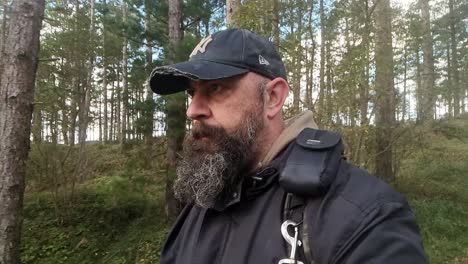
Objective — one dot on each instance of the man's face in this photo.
(227, 119)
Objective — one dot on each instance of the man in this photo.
(263, 190)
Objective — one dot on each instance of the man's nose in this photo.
(198, 108)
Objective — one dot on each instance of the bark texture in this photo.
(428, 77)
(176, 109)
(232, 7)
(384, 85)
(454, 69)
(16, 106)
(123, 133)
(321, 99)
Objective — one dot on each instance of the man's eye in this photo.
(215, 88)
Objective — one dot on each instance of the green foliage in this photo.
(108, 223)
(107, 219)
(435, 179)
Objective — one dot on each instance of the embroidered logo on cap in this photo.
(262, 60)
(201, 47)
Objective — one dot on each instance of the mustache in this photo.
(200, 130)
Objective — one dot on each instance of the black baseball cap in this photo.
(223, 54)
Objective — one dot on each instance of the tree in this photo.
(384, 86)
(124, 129)
(232, 7)
(321, 98)
(175, 109)
(16, 105)
(428, 76)
(104, 75)
(454, 71)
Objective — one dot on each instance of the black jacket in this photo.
(360, 219)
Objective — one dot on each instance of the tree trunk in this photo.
(276, 24)
(63, 107)
(75, 83)
(329, 85)
(455, 75)
(84, 107)
(112, 126)
(405, 77)
(428, 77)
(321, 99)
(104, 81)
(384, 85)
(364, 89)
(16, 107)
(232, 7)
(37, 124)
(3, 33)
(124, 128)
(449, 80)
(149, 105)
(175, 111)
(118, 114)
(419, 91)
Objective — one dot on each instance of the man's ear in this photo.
(276, 92)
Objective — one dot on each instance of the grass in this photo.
(115, 216)
(105, 222)
(435, 180)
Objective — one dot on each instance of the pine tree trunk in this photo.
(84, 106)
(104, 82)
(63, 107)
(175, 112)
(428, 77)
(449, 80)
(276, 24)
(455, 74)
(385, 93)
(405, 80)
(36, 129)
(118, 106)
(364, 89)
(232, 7)
(16, 107)
(149, 106)
(419, 90)
(329, 85)
(321, 99)
(112, 126)
(3, 29)
(124, 128)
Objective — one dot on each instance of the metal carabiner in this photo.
(293, 241)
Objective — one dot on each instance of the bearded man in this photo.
(261, 189)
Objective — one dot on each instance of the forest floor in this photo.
(117, 216)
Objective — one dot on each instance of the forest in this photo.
(88, 152)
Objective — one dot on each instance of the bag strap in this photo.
(294, 207)
(310, 169)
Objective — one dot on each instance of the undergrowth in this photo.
(435, 180)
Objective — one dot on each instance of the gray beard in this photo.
(211, 171)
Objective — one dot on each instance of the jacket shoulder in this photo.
(364, 190)
(359, 204)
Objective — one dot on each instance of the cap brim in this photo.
(175, 78)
